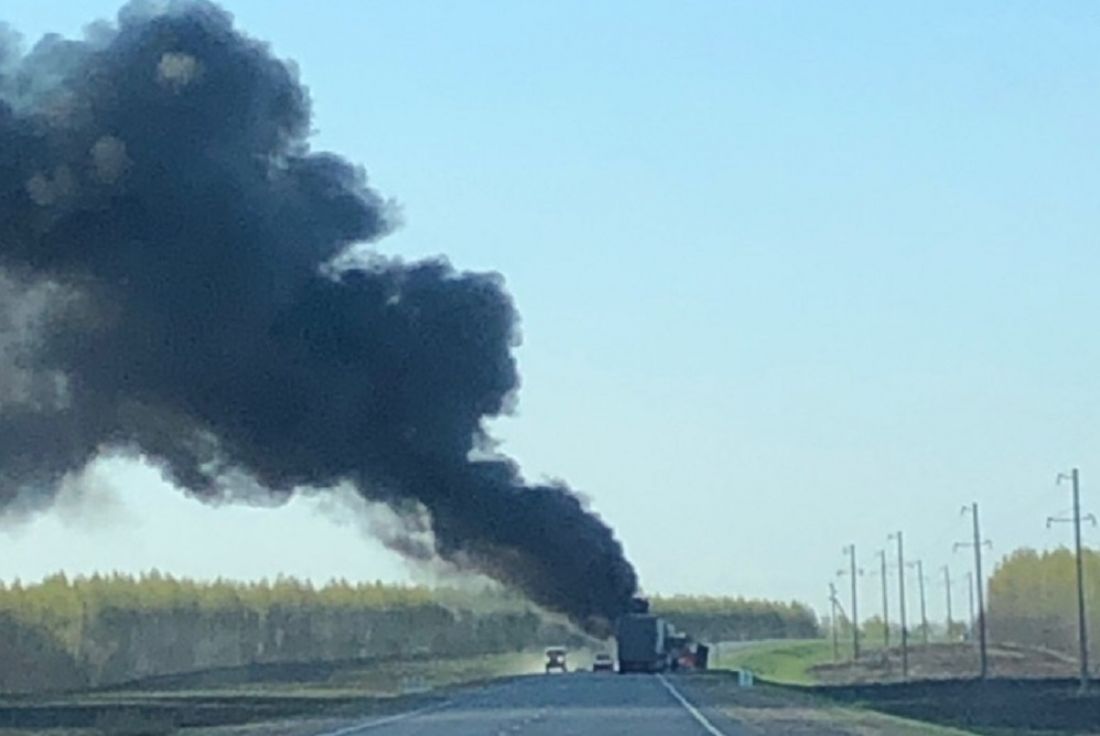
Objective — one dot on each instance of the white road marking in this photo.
(347, 731)
(699, 717)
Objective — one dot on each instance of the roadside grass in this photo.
(825, 718)
(868, 721)
(380, 679)
(785, 662)
(299, 701)
(402, 678)
(55, 732)
(768, 709)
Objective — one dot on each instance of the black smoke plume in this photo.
(176, 282)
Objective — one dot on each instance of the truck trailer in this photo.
(641, 641)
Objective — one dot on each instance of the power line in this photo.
(901, 604)
(919, 565)
(970, 598)
(977, 544)
(850, 550)
(885, 600)
(1082, 622)
(947, 590)
(832, 620)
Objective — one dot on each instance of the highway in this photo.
(561, 705)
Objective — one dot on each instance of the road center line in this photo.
(699, 717)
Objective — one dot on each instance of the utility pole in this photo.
(850, 550)
(947, 588)
(885, 603)
(919, 565)
(901, 605)
(970, 596)
(979, 584)
(832, 620)
(1082, 621)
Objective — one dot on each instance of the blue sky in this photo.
(792, 275)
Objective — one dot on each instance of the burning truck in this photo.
(649, 643)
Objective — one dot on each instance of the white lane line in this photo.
(702, 719)
(366, 725)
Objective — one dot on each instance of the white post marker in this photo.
(699, 717)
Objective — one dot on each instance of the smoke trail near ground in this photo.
(168, 244)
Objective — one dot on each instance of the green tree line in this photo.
(1033, 599)
(68, 633)
(717, 619)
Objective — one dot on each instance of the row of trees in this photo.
(873, 634)
(64, 633)
(1033, 599)
(63, 607)
(71, 633)
(738, 619)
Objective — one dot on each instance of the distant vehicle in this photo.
(555, 660)
(603, 663)
(649, 643)
(641, 641)
(678, 646)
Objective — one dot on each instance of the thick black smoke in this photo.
(169, 248)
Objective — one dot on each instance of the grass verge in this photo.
(284, 700)
(778, 661)
(770, 710)
(868, 721)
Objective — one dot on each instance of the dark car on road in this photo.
(555, 660)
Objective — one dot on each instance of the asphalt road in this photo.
(561, 705)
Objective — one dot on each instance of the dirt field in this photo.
(998, 706)
(947, 661)
(1030, 692)
(782, 711)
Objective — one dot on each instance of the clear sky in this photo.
(792, 275)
